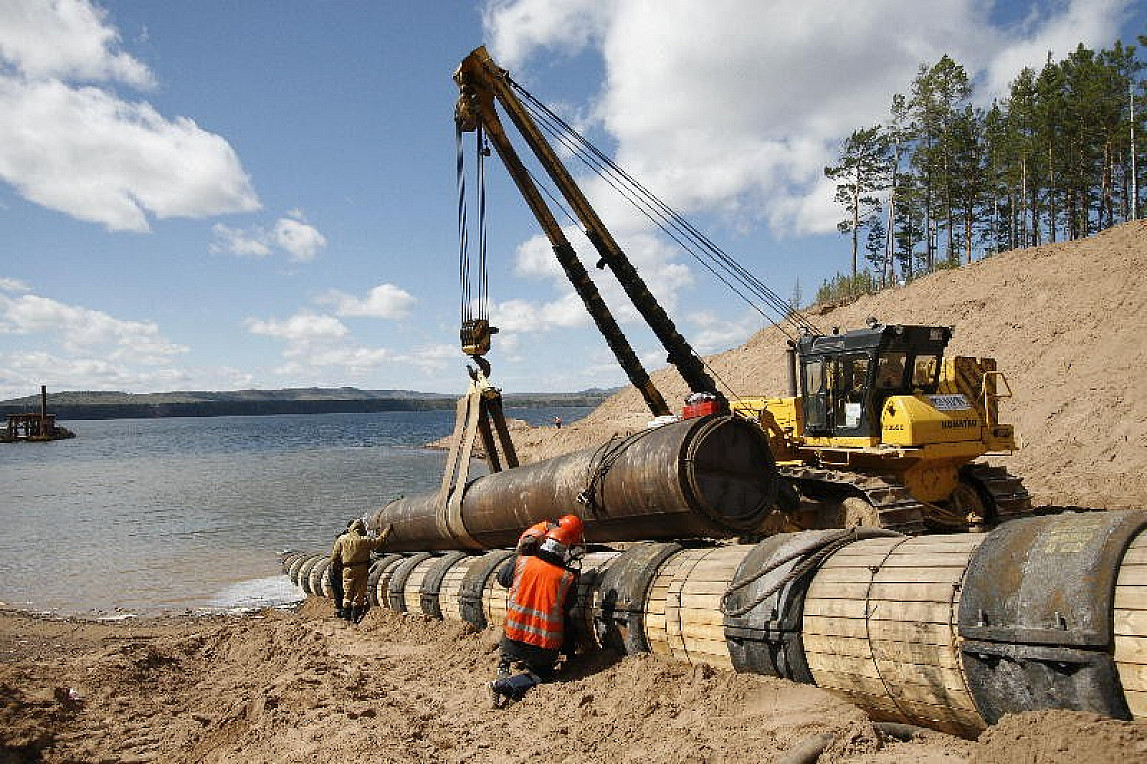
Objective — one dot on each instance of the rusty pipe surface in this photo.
(712, 476)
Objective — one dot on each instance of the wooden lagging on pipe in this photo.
(1131, 626)
(880, 628)
(924, 630)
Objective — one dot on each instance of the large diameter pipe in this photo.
(712, 476)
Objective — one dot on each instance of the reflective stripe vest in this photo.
(537, 599)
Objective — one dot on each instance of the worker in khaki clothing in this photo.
(351, 552)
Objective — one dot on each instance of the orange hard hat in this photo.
(569, 531)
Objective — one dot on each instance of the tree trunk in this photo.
(1051, 214)
(1023, 232)
(855, 220)
(1107, 201)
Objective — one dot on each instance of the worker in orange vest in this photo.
(542, 591)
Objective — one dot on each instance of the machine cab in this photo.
(845, 378)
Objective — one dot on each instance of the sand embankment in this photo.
(302, 687)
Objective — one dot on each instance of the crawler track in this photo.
(898, 510)
(1004, 490)
(895, 506)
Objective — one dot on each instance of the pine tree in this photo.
(1050, 113)
(969, 184)
(939, 94)
(1024, 158)
(862, 173)
(875, 247)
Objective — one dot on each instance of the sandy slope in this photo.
(1067, 323)
(304, 687)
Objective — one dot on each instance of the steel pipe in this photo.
(713, 476)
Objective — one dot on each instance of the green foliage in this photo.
(1051, 159)
(845, 288)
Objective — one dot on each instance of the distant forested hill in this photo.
(116, 405)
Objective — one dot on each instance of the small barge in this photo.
(38, 426)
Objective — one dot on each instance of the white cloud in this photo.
(1093, 22)
(518, 27)
(432, 358)
(85, 151)
(713, 334)
(84, 330)
(73, 347)
(21, 373)
(13, 285)
(319, 348)
(250, 243)
(66, 39)
(735, 107)
(302, 241)
(302, 327)
(383, 301)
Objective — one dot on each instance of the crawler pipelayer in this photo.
(883, 430)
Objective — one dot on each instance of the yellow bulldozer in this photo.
(880, 428)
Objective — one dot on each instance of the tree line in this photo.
(943, 180)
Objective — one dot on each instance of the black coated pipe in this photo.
(713, 476)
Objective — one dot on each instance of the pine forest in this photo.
(943, 181)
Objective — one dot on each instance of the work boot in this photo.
(497, 699)
(340, 612)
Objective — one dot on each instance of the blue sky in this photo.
(222, 195)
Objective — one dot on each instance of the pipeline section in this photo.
(707, 477)
(947, 632)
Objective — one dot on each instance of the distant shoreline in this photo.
(81, 411)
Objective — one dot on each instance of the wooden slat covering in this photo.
(880, 628)
(410, 594)
(1130, 618)
(683, 609)
(382, 587)
(448, 601)
(592, 565)
(494, 600)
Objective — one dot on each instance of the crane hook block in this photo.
(475, 335)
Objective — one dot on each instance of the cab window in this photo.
(854, 377)
(849, 388)
(816, 394)
(890, 371)
(925, 371)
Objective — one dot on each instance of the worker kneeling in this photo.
(535, 632)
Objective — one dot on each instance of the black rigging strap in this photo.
(474, 288)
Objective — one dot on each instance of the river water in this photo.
(147, 515)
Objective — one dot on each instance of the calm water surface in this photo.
(139, 515)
